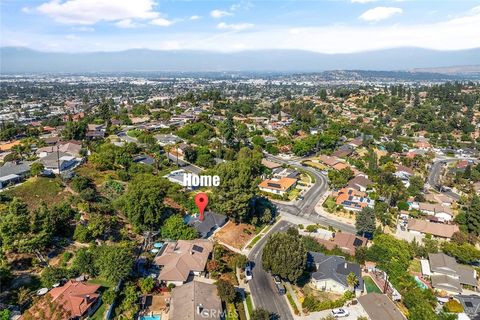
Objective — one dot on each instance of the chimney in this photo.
(199, 308)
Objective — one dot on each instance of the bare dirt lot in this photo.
(235, 235)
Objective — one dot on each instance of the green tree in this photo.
(226, 291)
(114, 263)
(83, 262)
(365, 221)
(352, 280)
(146, 285)
(109, 296)
(37, 168)
(142, 203)
(284, 255)
(260, 314)
(472, 213)
(175, 228)
(237, 188)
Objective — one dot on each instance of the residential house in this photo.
(352, 199)
(13, 172)
(79, 299)
(196, 301)
(95, 131)
(357, 142)
(178, 177)
(329, 161)
(404, 173)
(70, 147)
(285, 173)
(270, 164)
(144, 159)
(167, 139)
(471, 305)
(331, 273)
(360, 183)
(380, 307)
(58, 162)
(441, 213)
(211, 222)
(278, 186)
(447, 275)
(345, 241)
(182, 259)
(438, 230)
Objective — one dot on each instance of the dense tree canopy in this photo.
(284, 255)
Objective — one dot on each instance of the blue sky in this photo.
(317, 25)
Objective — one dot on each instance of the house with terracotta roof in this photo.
(277, 186)
(8, 146)
(352, 199)
(79, 299)
(180, 260)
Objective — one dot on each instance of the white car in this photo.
(340, 313)
(248, 274)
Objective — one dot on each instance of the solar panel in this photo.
(357, 242)
(197, 248)
(274, 185)
(468, 304)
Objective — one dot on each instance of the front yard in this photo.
(235, 235)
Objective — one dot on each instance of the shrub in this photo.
(453, 306)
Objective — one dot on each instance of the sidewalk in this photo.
(294, 297)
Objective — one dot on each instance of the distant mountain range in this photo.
(23, 60)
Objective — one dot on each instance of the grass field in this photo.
(248, 298)
(38, 189)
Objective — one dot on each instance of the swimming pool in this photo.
(420, 283)
(150, 318)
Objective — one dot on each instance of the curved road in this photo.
(435, 173)
(262, 288)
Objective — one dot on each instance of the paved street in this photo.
(262, 288)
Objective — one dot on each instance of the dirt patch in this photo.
(235, 235)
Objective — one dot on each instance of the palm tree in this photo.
(352, 280)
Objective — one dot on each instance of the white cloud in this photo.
(88, 12)
(462, 32)
(234, 26)
(380, 13)
(126, 24)
(195, 17)
(162, 22)
(219, 13)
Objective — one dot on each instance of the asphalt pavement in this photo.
(262, 288)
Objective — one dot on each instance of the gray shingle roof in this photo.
(335, 268)
(211, 221)
(10, 168)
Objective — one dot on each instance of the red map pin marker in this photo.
(201, 200)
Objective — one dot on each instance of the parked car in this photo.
(248, 274)
(278, 284)
(340, 313)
